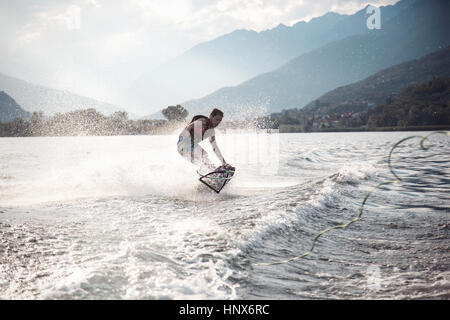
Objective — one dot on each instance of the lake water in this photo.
(126, 218)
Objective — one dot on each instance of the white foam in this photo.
(82, 167)
(279, 217)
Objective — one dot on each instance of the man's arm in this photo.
(216, 149)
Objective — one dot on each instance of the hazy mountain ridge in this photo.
(9, 109)
(33, 97)
(417, 30)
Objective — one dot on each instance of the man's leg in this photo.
(200, 158)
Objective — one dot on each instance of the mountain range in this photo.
(9, 109)
(255, 73)
(240, 55)
(33, 97)
(419, 28)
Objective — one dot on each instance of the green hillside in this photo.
(383, 86)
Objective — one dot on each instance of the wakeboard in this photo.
(217, 179)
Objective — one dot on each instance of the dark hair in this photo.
(216, 112)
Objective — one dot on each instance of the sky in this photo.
(97, 48)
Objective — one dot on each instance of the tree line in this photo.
(81, 122)
(420, 105)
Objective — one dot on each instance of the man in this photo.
(197, 130)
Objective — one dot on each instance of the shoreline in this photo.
(298, 129)
(282, 129)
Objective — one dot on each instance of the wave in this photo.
(292, 205)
